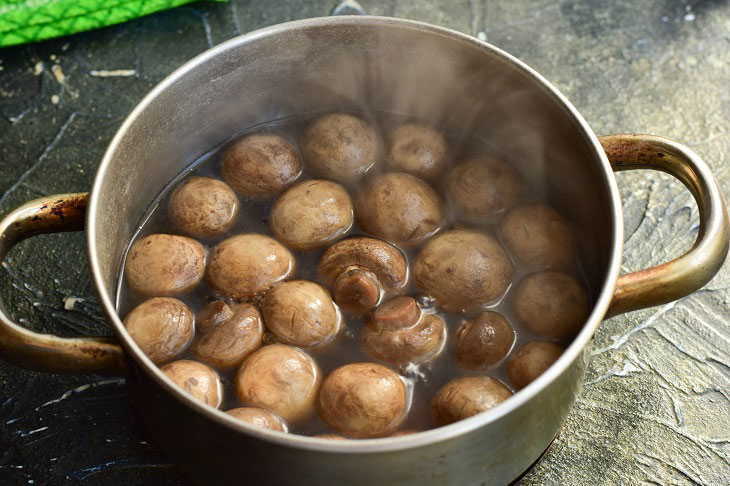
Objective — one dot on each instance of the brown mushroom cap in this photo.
(483, 341)
(363, 400)
(551, 304)
(162, 327)
(463, 270)
(301, 313)
(164, 265)
(340, 147)
(417, 344)
(311, 214)
(261, 165)
(539, 237)
(417, 149)
(530, 361)
(467, 396)
(227, 344)
(384, 260)
(199, 380)
(258, 417)
(248, 264)
(203, 207)
(481, 188)
(213, 314)
(279, 378)
(400, 208)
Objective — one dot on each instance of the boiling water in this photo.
(423, 380)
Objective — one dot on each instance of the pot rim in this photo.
(388, 444)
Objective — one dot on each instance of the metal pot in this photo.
(380, 64)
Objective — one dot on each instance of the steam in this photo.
(484, 107)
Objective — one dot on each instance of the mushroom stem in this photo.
(399, 313)
(357, 291)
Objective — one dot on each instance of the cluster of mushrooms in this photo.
(385, 189)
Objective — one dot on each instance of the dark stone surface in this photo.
(655, 408)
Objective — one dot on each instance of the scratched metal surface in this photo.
(656, 405)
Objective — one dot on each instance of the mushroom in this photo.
(301, 313)
(483, 341)
(462, 270)
(227, 344)
(258, 417)
(481, 188)
(467, 396)
(203, 207)
(248, 264)
(164, 265)
(417, 149)
(399, 208)
(311, 214)
(340, 147)
(551, 304)
(399, 333)
(363, 400)
(162, 327)
(197, 379)
(279, 378)
(213, 314)
(538, 237)
(530, 361)
(360, 269)
(261, 165)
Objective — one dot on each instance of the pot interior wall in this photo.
(349, 65)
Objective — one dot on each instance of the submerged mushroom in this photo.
(467, 396)
(481, 188)
(463, 270)
(551, 304)
(530, 361)
(360, 269)
(213, 314)
(363, 400)
(483, 341)
(203, 207)
(261, 165)
(227, 344)
(248, 264)
(539, 237)
(162, 327)
(311, 214)
(399, 208)
(279, 378)
(301, 313)
(418, 150)
(340, 147)
(399, 333)
(197, 379)
(164, 265)
(258, 417)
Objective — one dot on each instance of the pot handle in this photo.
(680, 277)
(45, 352)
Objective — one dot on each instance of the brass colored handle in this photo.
(680, 277)
(45, 352)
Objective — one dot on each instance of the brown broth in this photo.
(424, 380)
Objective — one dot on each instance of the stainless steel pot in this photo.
(379, 64)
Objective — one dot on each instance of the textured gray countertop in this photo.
(655, 407)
